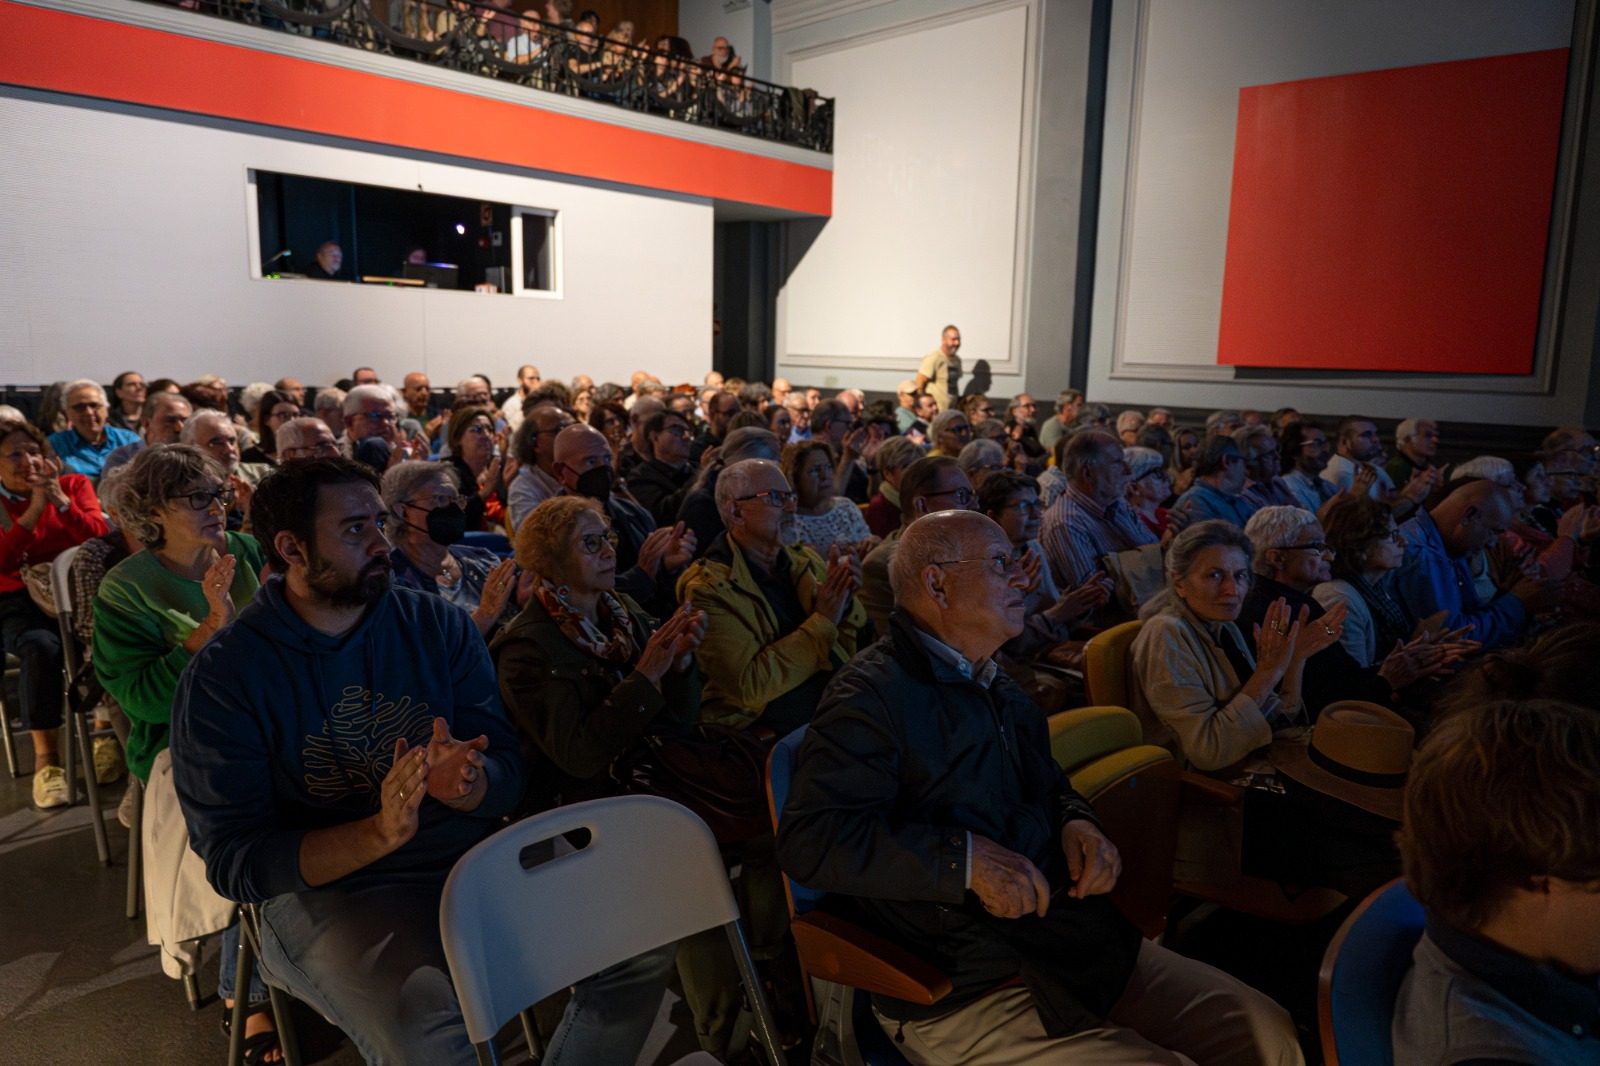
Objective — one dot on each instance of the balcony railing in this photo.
(510, 46)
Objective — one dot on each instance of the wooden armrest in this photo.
(1208, 791)
(840, 951)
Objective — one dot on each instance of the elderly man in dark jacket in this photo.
(925, 792)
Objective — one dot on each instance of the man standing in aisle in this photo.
(940, 373)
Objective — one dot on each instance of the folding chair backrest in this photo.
(1084, 734)
(1105, 664)
(1137, 794)
(780, 774)
(649, 875)
(61, 586)
(1361, 975)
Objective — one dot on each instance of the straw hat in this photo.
(1358, 752)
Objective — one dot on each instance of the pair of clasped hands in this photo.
(449, 770)
(1009, 885)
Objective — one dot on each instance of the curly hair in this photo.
(156, 477)
(795, 456)
(9, 426)
(545, 538)
(1350, 526)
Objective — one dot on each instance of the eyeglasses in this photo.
(963, 496)
(1317, 546)
(592, 543)
(378, 416)
(322, 450)
(774, 497)
(961, 429)
(438, 500)
(1000, 563)
(86, 406)
(1027, 507)
(202, 501)
(681, 432)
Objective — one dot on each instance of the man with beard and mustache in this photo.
(335, 750)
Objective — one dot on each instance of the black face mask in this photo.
(596, 483)
(447, 525)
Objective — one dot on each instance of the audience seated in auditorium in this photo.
(427, 519)
(1069, 404)
(825, 520)
(479, 468)
(1091, 518)
(1416, 445)
(661, 482)
(930, 484)
(83, 446)
(963, 842)
(43, 512)
(699, 512)
(719, 412)
(337, 796)
(1262, 463)
(980, 458)
(894, 457)
(1149, 487)
(1128, 425)
(153, 612)
(128, 394)
(838, 424)
(528, 379)
(949, 432)
(534, 448)
(272, 411)
(1198, 688)
(1437, 576)
(1500, 847)
(1305, 452)
(1219, 484)
(94, 557)
(649, 560)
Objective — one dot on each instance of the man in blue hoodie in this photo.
(335, 751)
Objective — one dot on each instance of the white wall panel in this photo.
(932, 201)
(125, 242)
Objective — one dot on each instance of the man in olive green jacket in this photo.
(779, 619)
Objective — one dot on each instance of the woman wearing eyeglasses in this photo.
(427, 520)
(44, 513)
(587, 677)
(471, 437)
(153, 612)
(825, 520)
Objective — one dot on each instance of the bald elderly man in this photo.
(925, 790)
(1441, 544)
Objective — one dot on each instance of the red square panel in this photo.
(1393, 220)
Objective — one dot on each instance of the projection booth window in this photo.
(314, 228)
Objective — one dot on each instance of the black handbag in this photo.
(718, 773)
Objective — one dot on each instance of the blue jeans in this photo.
(370, 960)
(257, 995)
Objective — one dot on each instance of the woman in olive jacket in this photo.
(585, 674)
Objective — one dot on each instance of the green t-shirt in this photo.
(143, 613)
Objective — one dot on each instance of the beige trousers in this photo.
(1175, 1011)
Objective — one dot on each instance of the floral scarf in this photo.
(613, 644)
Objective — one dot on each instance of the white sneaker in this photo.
(49, 787)
(125, 808)
(108, 764)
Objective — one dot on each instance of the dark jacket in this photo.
(1331, 674)
(660, 489)
(575, 713)
(699, 513)
(903, 759)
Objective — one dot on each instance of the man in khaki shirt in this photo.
(940, 372)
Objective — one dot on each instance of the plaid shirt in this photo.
(1076, 532)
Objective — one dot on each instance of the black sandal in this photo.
(256, 1048)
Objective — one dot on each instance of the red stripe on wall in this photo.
(67, 53)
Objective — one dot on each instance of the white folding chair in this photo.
(519, 924)
(80, 695)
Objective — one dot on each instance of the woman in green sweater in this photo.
(153, 612)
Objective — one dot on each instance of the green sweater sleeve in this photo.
(132, 657)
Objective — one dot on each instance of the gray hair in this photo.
(1488, 468)
(251, 395)
(1083, 447)
(462, 384)
(750, 442)
(1274, 527)
(1409, 428)
(190, 433)
(1242, 435)
(327, 399)
(361, 395)
(1196, 538)
(82, 383)
(111, 487)
(737, 479)
(403, 479)
(1216, 417)
(980, 453)
(897, 452)
(153, 478)
(943, 419)
(1130, 421)
(1141, 461)
(298, 432)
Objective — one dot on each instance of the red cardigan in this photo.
(54, 533)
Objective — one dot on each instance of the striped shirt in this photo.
(1076, 532)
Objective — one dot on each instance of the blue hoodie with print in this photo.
(278, 729)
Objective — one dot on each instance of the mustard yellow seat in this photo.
(1084, 734)
(1105, 665)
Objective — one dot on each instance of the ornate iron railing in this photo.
(510, 46)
